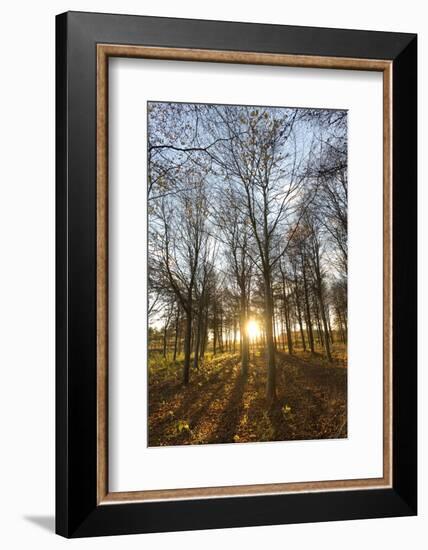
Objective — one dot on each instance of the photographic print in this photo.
(247, 273)
(203, 305)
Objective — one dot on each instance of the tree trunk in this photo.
(177, 325)
(187, 343)
(308, 310)
(275, 343)
(320, 336)
(299, 313)
(203, 345)
(270, 347)
(342, 331)
(345, 323)
(319, 289)
(165, 329)
(244, 336)
(215, 330)
(330, 331)
(287, 316)
(325, 326)
(220, 333)
(282, 329)
(198, 329)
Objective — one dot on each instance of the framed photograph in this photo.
(236, 274)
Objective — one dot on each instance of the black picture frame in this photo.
(77, 512)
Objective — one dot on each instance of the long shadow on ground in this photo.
(219, 406)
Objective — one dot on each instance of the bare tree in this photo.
(236, 235)
(181, 238)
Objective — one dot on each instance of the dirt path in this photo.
(220, 407)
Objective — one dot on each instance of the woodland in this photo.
(247, 273)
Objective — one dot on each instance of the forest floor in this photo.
(219, 406)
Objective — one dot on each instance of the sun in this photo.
(253, 329)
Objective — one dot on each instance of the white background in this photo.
(133, 466)
(27, 275)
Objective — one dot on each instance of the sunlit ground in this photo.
(219, 406)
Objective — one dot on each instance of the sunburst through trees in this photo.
(247, 283)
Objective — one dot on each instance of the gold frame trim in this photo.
(104, 51)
